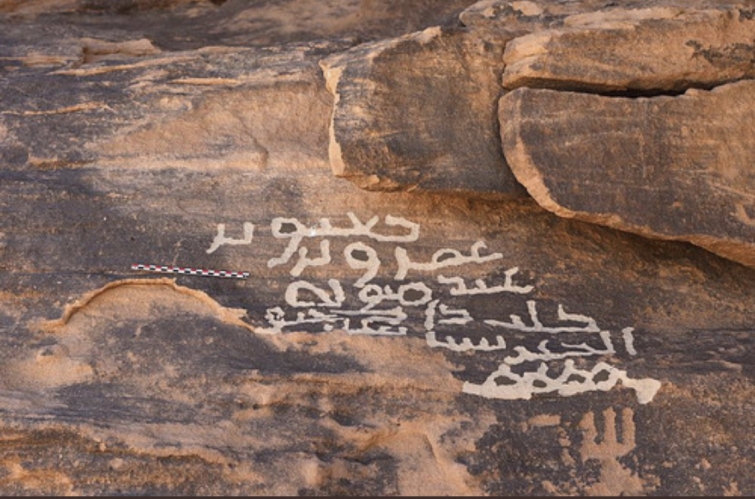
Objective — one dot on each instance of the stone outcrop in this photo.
(187, 384)
(417, 113)
(664, 167)
(192, 24)
(414, 113)
(210, 108)
(655, 49)
(457, 339)
(394, 102)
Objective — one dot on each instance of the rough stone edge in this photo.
(509, 115)
(228, 315)
(332, 70)
(523, 52)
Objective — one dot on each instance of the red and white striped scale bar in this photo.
(169, 269)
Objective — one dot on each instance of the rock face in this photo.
(192, 24)
(665, 167)
(394, 101)
(668, 167)
(414, 113)
(192, 303)
(655, 49)
(199, 108)
(191, 384)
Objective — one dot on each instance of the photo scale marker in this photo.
(168, 269)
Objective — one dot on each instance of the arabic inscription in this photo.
(414, 300)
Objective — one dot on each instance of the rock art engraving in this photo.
(590, 326)
(629, 340)
(543, 353)
(482, 288)
(292, 294)
(442, 308)
(605, 438)
(295, 231)
(743, 216)
(466, 344)
(615, 478)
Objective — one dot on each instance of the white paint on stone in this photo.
(481, 287)
(589, 324)
(544, 354)
(465, 344)
(221, 239)
(446, 257)
(384, 309)
(571, 381)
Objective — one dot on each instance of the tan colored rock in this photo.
(174, 383)
(211, 108)
(414, 112)
(418, 113)
(664, 48)
(510, 19)
(382, 344)
(664, 167)
(446, 80)
(191, 24)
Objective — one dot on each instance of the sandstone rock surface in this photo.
(379, 343)
(202, 108)
(186, 384)
(665, 167)
(655, 49)
(192, 24)
(417, 113)
(414, 113)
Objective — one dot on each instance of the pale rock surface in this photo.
(414, 113)
(191, 24)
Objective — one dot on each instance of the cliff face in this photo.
(376, 247)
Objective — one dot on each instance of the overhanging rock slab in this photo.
(665, 167)
(652, 49)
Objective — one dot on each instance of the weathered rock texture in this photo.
(664, 167)
(668, 167)
(192, 24)
(199, 109)
(382, 343)
(656, 49)
(414, 113)
(176, 385)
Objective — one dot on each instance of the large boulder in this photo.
(664, 48)
(664, 167)
(417, 113)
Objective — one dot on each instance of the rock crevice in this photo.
(412, 114)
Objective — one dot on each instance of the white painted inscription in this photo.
(404, 306)
(221, 240)
(571, 381)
